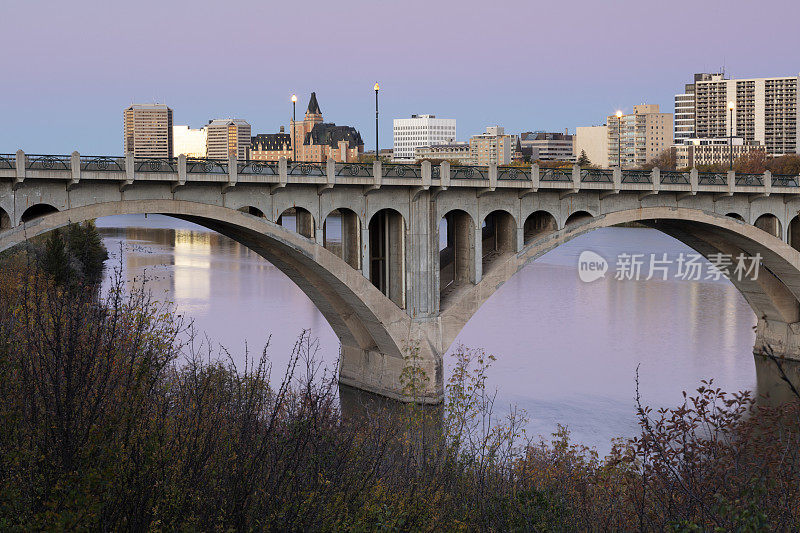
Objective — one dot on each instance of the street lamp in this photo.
(377, 88)
(619, 139)
(730, 138)
(294, 119)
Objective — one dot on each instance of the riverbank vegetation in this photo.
(115, 417)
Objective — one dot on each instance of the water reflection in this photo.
(567, 351)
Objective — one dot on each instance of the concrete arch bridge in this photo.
(403, 255)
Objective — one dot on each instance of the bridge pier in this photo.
(783, 341)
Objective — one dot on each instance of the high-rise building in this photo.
(228, 136)
(147, 131)
(684, 107)
(543, 146)
(764, 111)
(641, 136)
(493, 146)
(419, 131)
(189, 142)
(593, 141)
(315, 140)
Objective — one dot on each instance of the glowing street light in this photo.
(619, 138)
(731, 106)
(294, 119)
(377, 88)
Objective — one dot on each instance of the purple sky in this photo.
(69, 68)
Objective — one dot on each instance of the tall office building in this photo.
(765, 111)
(147, 131)
(226, 137)
(641, 136)
(420, 131)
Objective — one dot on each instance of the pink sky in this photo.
(69, 68)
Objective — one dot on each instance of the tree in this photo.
(786, 165)
(751, 162)
(54, 259)
(85, 245)
(666, 160)
(583, 160)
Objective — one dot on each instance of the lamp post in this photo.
(619, 139)
(294, 119)
(377, 88)
(730, 137)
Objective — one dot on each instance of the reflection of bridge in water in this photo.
(363, 240)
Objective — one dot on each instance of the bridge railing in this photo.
(510, 176)
(354, 170)
(469, 172)
(597, 175)
(672, 177)
(102, 163)
(514, 173)
(47, 162)
(303, 168)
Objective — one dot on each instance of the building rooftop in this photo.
(271, 141)
(313, 106)
(331, 134)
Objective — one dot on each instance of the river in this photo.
(567, 350)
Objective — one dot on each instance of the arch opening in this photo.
(576, 217)
(498, 237)
(386, 253)
(769, 223)
(341, 235)
(538, 224)
(456, 252)
(5, 220)
(299, 220)
(735, 216)
(250, 210)
(794, 233)
(36, 211)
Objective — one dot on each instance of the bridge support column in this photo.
(783, 341)
(351, 238)
(383, 374)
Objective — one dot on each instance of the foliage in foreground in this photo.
(112, 418)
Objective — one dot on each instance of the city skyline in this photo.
(122, 57)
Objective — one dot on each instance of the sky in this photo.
(70, 68)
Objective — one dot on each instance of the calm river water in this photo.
(566, 350)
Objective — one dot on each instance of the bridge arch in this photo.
(251, 210)
(538, 224)
(372, 329)
(36, 211)
(769, 223)
(735, 216)
(299, 220)
(774, 296)
(456, 238)
(793, 233)
(577, 216)
(498, 237)
(5, 219)
(387, 266)
(341, 235)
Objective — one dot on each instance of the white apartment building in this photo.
(189, 142)
(685, 108)
(593, 141)
(419, 131)
(228, 136)
(640, 136)
(764, 110)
